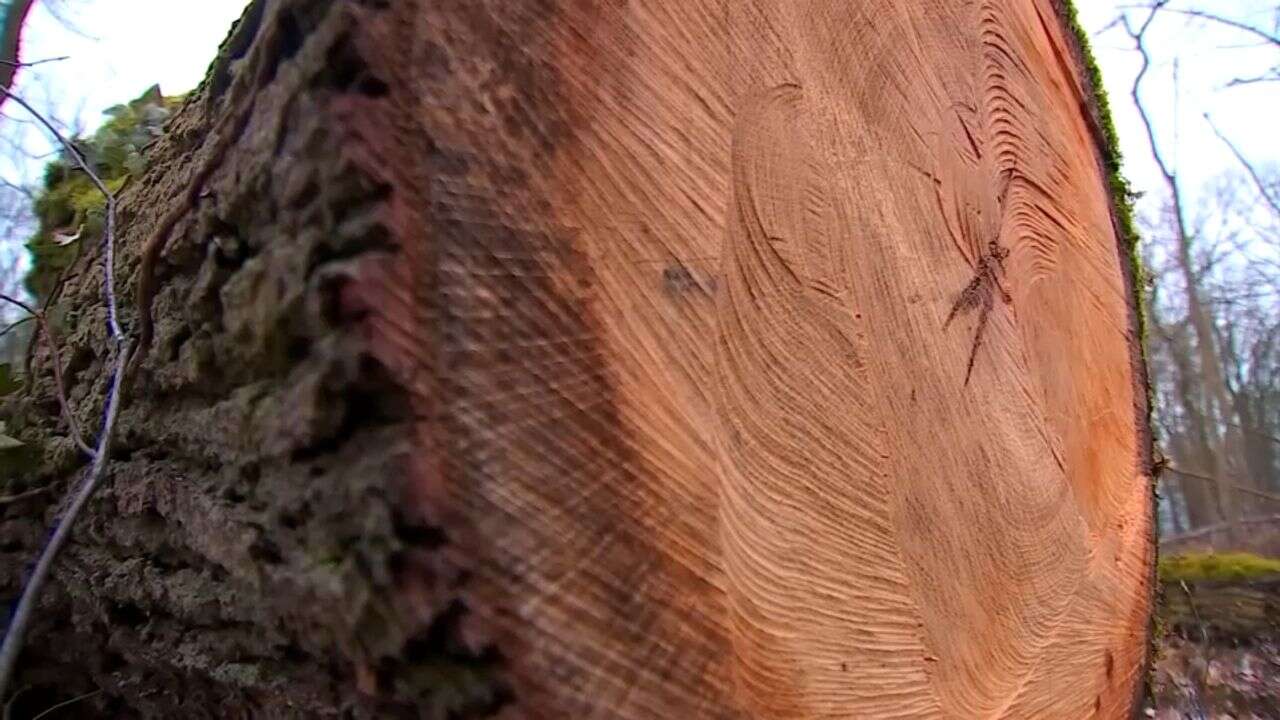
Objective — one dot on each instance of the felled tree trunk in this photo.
(669, 359)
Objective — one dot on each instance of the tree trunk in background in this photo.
(1226, 449)
(1258, 444)
(677, 359)
(13, 16)
(1192, 446)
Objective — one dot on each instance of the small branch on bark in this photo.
(73, 427)
(49, 711)
(11, 499)
(25, 611)
(16, 324)
(1231, 486)
(1217, 527)
(109, 232)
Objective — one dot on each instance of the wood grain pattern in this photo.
(675, 297)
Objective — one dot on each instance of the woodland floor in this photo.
(1219, 654)
(1217, 681)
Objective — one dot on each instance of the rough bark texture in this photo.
(596, 359)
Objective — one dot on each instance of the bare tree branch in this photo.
(1217, 527)
(72, 426)
(1248, 166)
(1221, 20)
(11, 499)
(1231, 486)
(108, 235)
(22, 616)
(11, 648)
(53, 7)
(16, 324)
(33, 63)
(21, 190)
(1273, 77)
(1170, 179)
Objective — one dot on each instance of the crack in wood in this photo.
(980, 295)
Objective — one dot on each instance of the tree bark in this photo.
(1227, 451)
(637, 360)
(13, 17)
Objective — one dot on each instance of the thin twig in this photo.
(11, 648)
(58, 380)
(24, 191)
(65, 703)
(1137, 36)
(1248, 166)
(1238, 488)
(1216, 527)
(72, 426)
(34, 63)
(8, 706)
(16, 324)
(66, 274)
(1257, 79)
(1217, 408)
(22, 616)
(15, 301)
(109, 233)
(1222, 20)
(11, 499)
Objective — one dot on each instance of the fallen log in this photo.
(676, 359)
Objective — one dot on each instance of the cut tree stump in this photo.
(606, 359)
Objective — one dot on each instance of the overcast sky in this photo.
(119, 48)
(1208, 57)
(115, 50)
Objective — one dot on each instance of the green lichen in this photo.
(1122, 194)
(1225, 567)
(70, 205)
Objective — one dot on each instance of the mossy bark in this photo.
(242, 559)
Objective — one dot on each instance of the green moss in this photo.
(1217, 566)
(1121, 192)
(71, 205)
